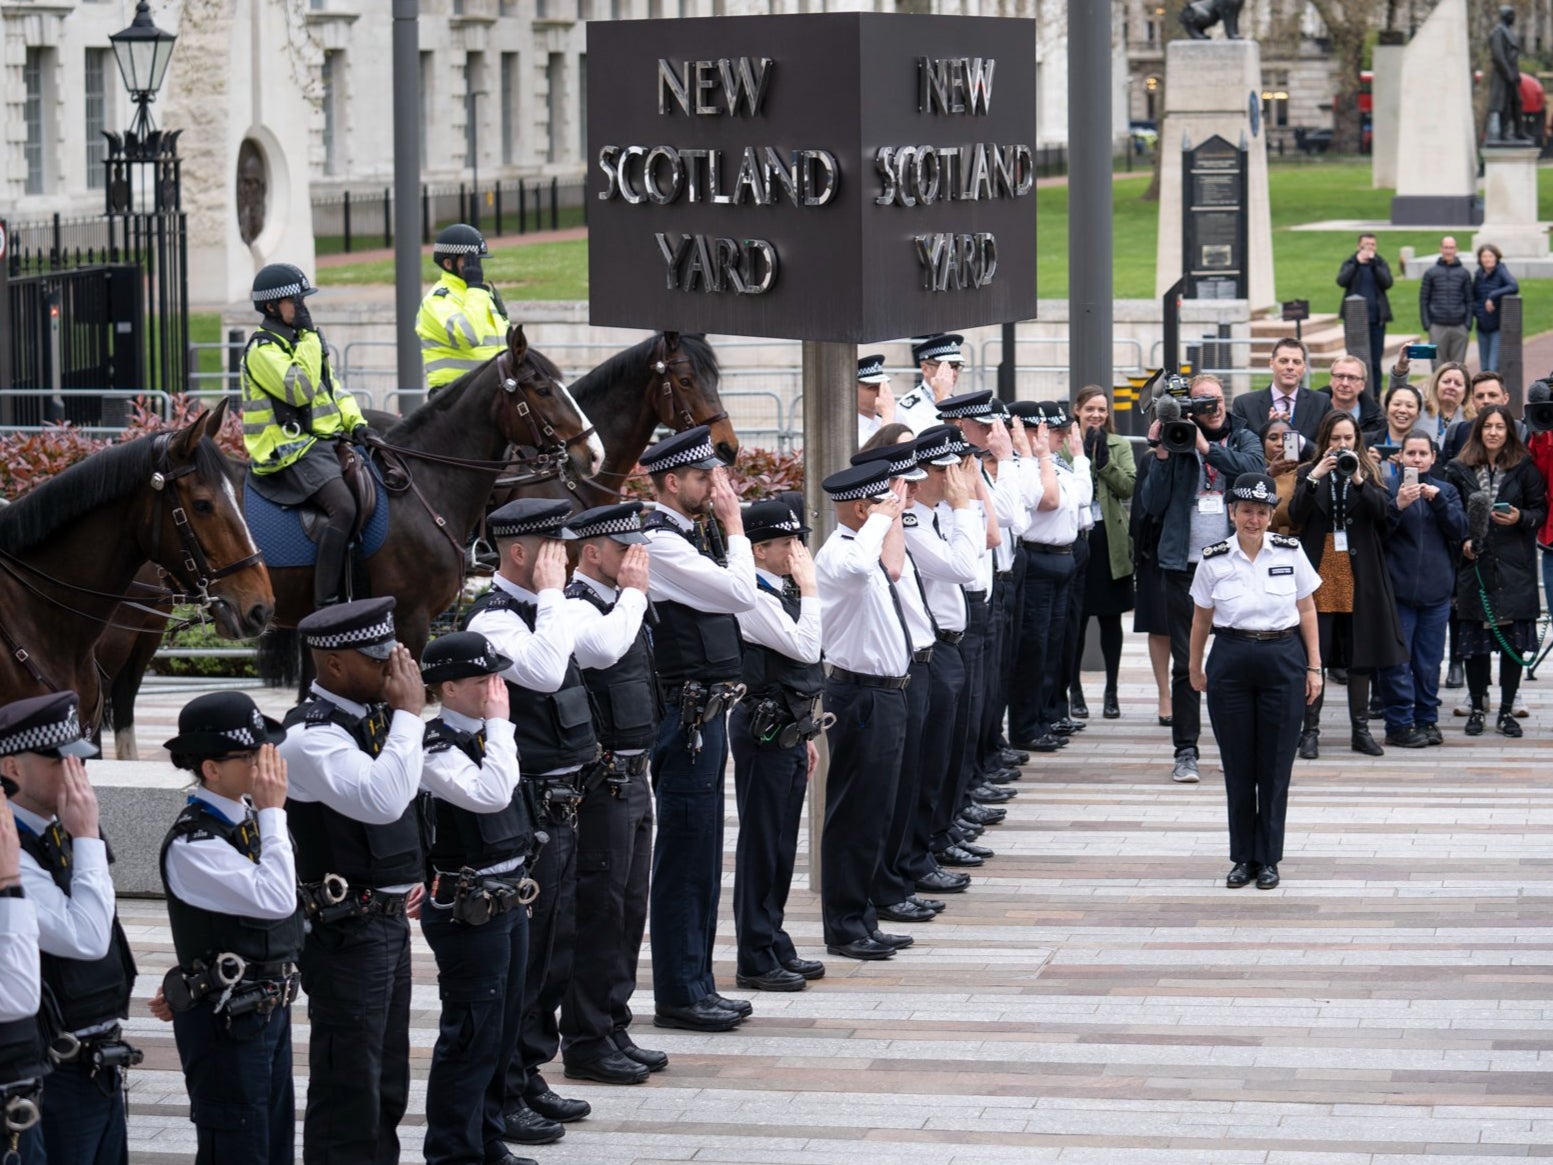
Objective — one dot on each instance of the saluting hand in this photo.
(404, 690)
(725, 503)
(1020, 437)
(10, 847)
(635, 571)
(269, 780)
(957, 487)
(999, 443)
(550, 565)
(800, 568)
(884, 405)
(495, 704)
(77, 805)
(891, 507)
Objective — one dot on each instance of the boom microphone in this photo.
(1167, 408)
(1539, 406)
(1480, 508)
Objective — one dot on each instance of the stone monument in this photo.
(1386, 109)
(1211, 88)
(247, 114)
(1436, 144)
(1510, 210)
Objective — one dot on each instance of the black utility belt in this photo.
(701, 703)
(476, 898)
(786, 720)
(236, 985)
(950, 637)
(558, 788)
(976, 596)
(1004, 575)
(923, 655)
(841, 674)
(1255, 636)
(332, 899)
(628, 766)
(1047, 548)
(99, 1050)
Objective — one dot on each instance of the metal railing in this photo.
(359, 219)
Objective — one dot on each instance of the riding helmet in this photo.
(458, 239)
(280, 281)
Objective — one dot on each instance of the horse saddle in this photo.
(287, 535)
(353, 468)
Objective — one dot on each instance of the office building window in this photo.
(98, 69)
(555, 69)
(509, 107)
(35, 116)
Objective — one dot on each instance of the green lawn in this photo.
(527, 271)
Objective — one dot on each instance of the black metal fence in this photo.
(362, 219)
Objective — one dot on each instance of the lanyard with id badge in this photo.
(1210, 500)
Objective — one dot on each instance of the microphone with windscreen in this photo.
(1480, 509)
(1539, 406)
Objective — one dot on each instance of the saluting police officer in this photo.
(478, 832)
(230, 875)
(86, 961)
(22, 1061)
(608, 607)
(771, 734)
(524, 614)
(353, 753)
(938, 361)
(702, 576)
(1254, 592)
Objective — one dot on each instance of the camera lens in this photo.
(1347, 463)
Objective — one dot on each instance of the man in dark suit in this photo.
(1284, 398)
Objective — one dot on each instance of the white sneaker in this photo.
(1520, 712)
(1462, 710)
(1185, 771)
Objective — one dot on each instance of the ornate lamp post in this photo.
(143, 51)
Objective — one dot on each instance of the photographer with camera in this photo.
(1496, 580)
(1340, 505)
(1196, 461)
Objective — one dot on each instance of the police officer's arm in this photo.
(451, 776)
(1202, 627)
(488, 321)
(291, 377)
(681, 575)
(212, 875)
(539, 657)
(326, 765)
(766, 624)
(858, 554)
(77, 925)
(1083, 480)
(601, 640)
(1241, 452)
(953, 553)
(19, 969)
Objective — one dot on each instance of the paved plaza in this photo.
(1099, 997)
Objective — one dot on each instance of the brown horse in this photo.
(70, 549)
(453, 448)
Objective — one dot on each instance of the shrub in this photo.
(202, 635)
(756, 474)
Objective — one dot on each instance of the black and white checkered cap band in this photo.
(550, 524)
(947, 447)
(939, 351)
(1253, 493)
(975, 409)
(907, 463)
(699, 452)
(249, 738)
(790, 524)
(42, 737)
(873, 368)
(630, 524)
(854, 493)
(456, 248)
(380, 632)
(289, 291)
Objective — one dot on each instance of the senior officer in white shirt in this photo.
(938, 359)
(1254, 592)
(875, 401)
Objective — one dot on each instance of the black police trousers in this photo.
(614, 865)
(893, 880)
(84, 1119)
(768, 786)
(552, 931)
(965, 761)
(866, 744)
(1256, 704)
(1048, 579)
(241, 1097)
(357, 977)
(480, 973)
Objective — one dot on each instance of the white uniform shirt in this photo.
(858, 621)
(918, 409)
(601, 640)
(1016, 491)
(77, 925)
(1260, 595)
(946, 547)
(212, 874)
(919, 620)
(1060, 526)
(449, 774)
(767, 623)
(866, 427)
(681, 574)
(20, 971)
(539, 657)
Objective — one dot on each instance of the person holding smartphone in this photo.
(1496, 580)
(1425, 523)
(1403, 406)
(1281, 446)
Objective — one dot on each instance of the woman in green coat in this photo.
(1108, 589)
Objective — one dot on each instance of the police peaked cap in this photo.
(223, 722)
(537, 517)
(691, 449)
(460, 655)
(1054, 414)
(1254, 487)
(870, 370)
(971, 405)
(769, 520)
(942, 445)
(47, 723)
(901, 458)
(856, 482)
(944, 348)
(1028, 411)
(365, 625)
(621, 521)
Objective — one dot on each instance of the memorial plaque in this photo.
(1214, 223)
(849, 177)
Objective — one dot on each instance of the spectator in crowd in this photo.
(1492, 283)
(1148, 616)
(1366, 274)
(1284, 397)
(1281, 469)
(1346, 388)
(1446, 401)
(1540, 446)
(1425, 527)
(1404, 404)
(1486, 389)
(1108, 592)
(1496, 579)
(1341, 507)
(1445, 303)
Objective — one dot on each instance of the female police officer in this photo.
(1254, 590)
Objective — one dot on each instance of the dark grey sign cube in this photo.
(839, 176)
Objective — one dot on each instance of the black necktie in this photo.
(900, 613)
(922, 590)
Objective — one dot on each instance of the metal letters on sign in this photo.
(1214, 234)
(838, 176)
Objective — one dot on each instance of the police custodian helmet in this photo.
(280, 281)
(458, 239)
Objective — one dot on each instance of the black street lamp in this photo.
(142, 51)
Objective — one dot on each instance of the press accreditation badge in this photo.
(1210, 503)
(1340, 541)
(1094, 512)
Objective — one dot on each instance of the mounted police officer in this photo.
(478, 830)
(23, 1063)
(462, 321)
(86, 961)
(607, 601)
(524, 616)
(293, 415)
(353, 753)
(231, 880)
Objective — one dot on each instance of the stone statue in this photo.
(252, 191)
(1201, 15)
(1504, 101)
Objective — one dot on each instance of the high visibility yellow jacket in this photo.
(290, 399)
(460, 327)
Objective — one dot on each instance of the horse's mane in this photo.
(450, 396)
(109, 475)
(631, 364)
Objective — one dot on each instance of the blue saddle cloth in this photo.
(282, 540)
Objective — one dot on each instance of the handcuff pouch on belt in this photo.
(328, 900)
(787, 719)
(477, 898)
(19, 1109)
(102, 1050)
(614, 772)
(239, 986)
(701, 704)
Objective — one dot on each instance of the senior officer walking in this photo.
(1254, 592)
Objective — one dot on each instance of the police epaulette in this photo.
(437, 737)
(910, 402)
(1286, 541)
(908, 519)
(1216, 549)
(442, 291)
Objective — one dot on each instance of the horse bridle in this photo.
(198, 575)
(552, 456)
(669, 402)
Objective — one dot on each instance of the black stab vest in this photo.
(200, 933)
(554, 729)
(88, 991)
(22, 1055)
(689, 644)
(328, 842)
(456, 837)
(625, 694)
(768, 672)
